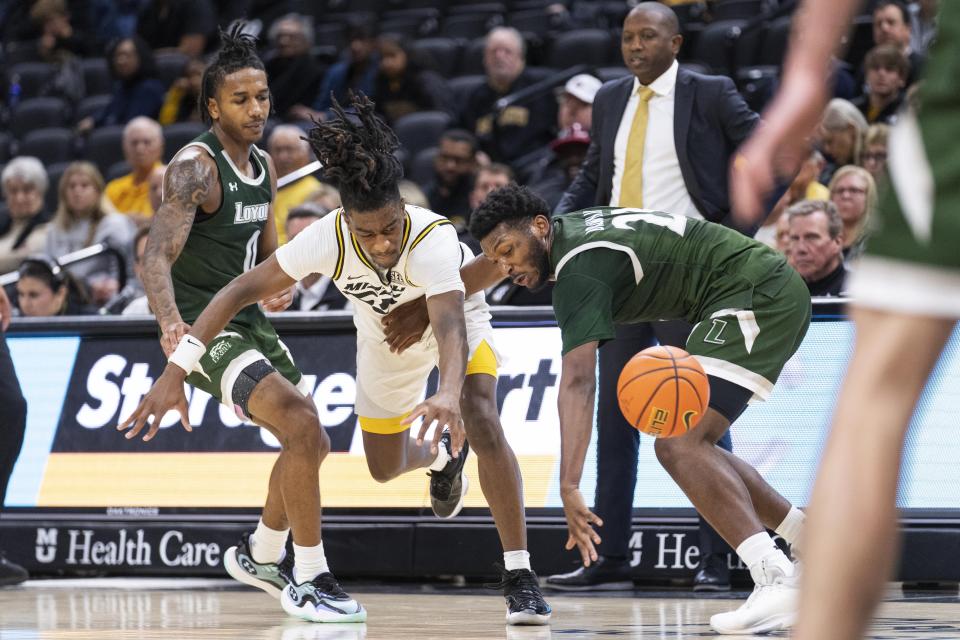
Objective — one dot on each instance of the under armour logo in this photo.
(233, 186)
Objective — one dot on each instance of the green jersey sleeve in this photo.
(587, 294)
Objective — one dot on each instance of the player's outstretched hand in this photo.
(280, 301)
(580, 522)
(405, 325)
(166, 393)
(445, 410)
(171, 336)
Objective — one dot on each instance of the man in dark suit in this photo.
(662, 139)
(316, 292)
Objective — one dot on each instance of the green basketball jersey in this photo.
(621, 266)
(222, 245)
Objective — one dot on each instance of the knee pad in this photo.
(248, 379)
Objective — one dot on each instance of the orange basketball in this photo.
(663, 391)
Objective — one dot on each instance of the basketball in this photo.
(663, 391)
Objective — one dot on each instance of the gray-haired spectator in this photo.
(290, 152)
(143, 150)
(854, 192)
(24, 182)
(519, 128)
(816, 246)
(294, 74)
(316, 292)
(841, 133)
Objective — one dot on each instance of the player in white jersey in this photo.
(381, 253)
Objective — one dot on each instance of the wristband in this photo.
(188, 353)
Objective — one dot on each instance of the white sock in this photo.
(513, 560)
(309, 562)
(760, 552)
(442, 459)
(791, 528)
(266, 544)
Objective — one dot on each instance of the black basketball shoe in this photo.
(448, 487)
(525, 603)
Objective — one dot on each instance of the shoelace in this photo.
(521, 585)
(443, 484)
(328, 585)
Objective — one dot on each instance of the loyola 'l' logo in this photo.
(250, 213)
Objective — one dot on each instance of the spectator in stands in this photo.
(46, 289)
(295, 75)
(85, 218)
(315, 292)
(804, 187)
(156, 186)
(412, 194)
(891, 25)
(24, 182)
(886, 74)
(576, 102)
(132, 300)
(923, 24)
(554, 175)
(841, 134)
(519, 128)
(816, 246)
(454, 170)
(137, 92)
(357, 71)
(874, 156)
(404, 85)
(61, 46)
(180, 102)
(493, 176)
(783, 236)
(326, 196)
(854, 193)
(663, 138)
(290, 151)
(178, 25)
(142, 149)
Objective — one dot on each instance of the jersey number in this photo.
(250, 260)
(675, 223)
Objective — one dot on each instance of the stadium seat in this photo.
(330, 34)
(716, 45)
(32, 77)
(696, 67)
(463, 86)
(408, 26)
(440, 54)
(96, 76)
(612, 73)
(860, 40)
(535, 21)
(117, 170)
(91, 106)
(470, 25)
(583, 46)
(476, 8)
(421, 167)
(471, 60)
(417, 131)
(737, 9)
(757, 85)
(170, 66)
(49, 145)
(104, 146)
(5, 141)
(38, 113)
(178, 134)
(54, 173)
(776, 37)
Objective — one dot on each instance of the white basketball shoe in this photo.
(771, 607)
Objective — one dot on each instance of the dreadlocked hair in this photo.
(357, 155)
(510, 204)
(238, 50)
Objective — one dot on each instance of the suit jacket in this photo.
(710, 121)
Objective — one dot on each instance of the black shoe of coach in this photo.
(606, 574)
(714, 575)
(10, 572)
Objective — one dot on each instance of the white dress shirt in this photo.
(663, 186)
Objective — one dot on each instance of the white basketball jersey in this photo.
(429, 265)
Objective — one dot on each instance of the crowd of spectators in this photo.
(114, 86)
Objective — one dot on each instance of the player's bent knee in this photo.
(300, 430)
(381, 472)
(669, 452)
(484, 431)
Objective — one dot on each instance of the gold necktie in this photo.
(631, 187)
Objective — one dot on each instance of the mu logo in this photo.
(379, 298)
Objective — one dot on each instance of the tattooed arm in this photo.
(189, 182)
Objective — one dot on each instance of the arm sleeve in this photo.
(434, 263)
(586, 296)
(313, 250)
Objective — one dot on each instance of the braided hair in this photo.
(511, 204)
(357, 155)
(238, 50)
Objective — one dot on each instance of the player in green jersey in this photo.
(750, 311)
(906, 301)
(216, 222)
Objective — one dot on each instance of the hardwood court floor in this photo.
(155, 609)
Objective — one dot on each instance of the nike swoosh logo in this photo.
(194, 341)
(354, 277)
